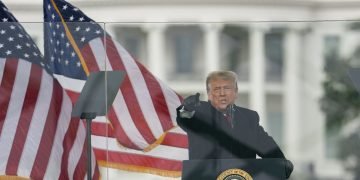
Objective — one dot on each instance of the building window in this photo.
(331, 47)
(134, 41)
(274, 54)
(185, 53)
(234, 51)
(274, 118)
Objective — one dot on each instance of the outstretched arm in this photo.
(186, 111)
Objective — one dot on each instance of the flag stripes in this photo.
(7, 82)
(175, 137)
(48, 131)
(162, 157)
(124, 61)
(127, 114)
(12, 84)
(76, 153)
(38, 123)
(55, 160)
(69, 140)
(143, 113)
(171, 151)
(24, 122)
(38, 138)
(130, 159)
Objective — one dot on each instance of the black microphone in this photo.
(230, 114)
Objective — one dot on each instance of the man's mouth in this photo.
(223, 101)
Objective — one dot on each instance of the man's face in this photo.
(222, 93)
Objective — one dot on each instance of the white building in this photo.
(276, 46)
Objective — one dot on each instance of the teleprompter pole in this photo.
(88, 117)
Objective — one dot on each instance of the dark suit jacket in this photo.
(211, 136)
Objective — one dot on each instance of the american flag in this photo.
(144, 109)
(38, 137)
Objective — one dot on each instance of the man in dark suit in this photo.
(218, 129)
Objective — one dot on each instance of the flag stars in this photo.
(77, 28)
(62, 35)
(61, 52)
(52, 58)
(66, 62)
(57, 42)
(57, 26)
(97, 32)
(35, 54)
(82, 39)
(78, 64)
(71, 18)
(1, 45)
(12, 27)
(18, 46)
(8, 52)
(11, 39)
(27, 45)
(20, 35)
(54, 33)
(49, 7)
(67, 44)
(76, 9)
(26, 55)
(73, 54)
(65, 7)
(2, 31)
(87, 29)
(53, 16)
(5, 19)
(81, 19)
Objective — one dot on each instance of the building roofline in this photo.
(21, 4)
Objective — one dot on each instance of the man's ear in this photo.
(209, 95)
(236, 92)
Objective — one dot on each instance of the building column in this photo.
(316, 144)
(155, 49)
(212, 46)
(257, 71)
(291, 98)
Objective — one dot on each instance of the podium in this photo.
(234, 169)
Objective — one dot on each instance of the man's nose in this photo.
(222, 91)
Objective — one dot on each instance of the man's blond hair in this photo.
(224, 75)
